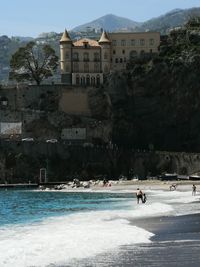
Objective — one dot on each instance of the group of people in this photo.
(140, 196)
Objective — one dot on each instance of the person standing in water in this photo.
(139, 195)
(194, 190)
(144, 198)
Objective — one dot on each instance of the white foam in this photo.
(60, 240)
(57, 241)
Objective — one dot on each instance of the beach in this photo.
(101, 226)
(176, 239)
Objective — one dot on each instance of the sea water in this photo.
(48, 228)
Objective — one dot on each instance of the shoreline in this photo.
(142, 184)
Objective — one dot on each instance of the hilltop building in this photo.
(87, 62)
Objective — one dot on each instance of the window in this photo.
(133, 54)
(114, 42)
(85, 57)
(96, 67)
(123, 42)
(67, 55)
(142, 42)
(151, 41)
(133, 42)
(75, 56)
(142, 52)
(105, 55)
(76, 67)
(106, 69)
(86, 44)
(114, 52)
(67, 68)
(96, 57)
(123, 51)
(86, 67)
(121, 60)
(116, 60)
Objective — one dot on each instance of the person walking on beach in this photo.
(194, 190)
(139, 195)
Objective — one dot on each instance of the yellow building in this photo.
(87, 62)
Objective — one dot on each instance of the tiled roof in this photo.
(82, 42)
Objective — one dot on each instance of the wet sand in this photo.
(176, 243)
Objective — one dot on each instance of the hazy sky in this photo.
(30, 18)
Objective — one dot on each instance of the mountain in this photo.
(174, 18)
(109, 22)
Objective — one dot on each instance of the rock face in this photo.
(63, 162)
(156, 101)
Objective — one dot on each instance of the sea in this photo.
(86, 228)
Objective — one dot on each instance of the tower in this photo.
(66, 58)
(105, 44)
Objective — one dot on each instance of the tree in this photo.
(33, 62)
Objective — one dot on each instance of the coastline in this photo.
(132, 185)
(176, 240)
(124, 234)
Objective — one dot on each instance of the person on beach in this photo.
(144, 198)
(194, 189)
(139, 195)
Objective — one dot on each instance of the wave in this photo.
(59, 240)
(62, 239)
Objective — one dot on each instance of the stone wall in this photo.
(21, 161)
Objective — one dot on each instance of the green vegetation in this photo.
(156, 101)
(33, 63)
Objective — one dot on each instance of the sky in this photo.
(30, 18)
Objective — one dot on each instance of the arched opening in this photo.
(77, 79)
(88, 79)
(82, 80)
(98, 80)
(92, 80)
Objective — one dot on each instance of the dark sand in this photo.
(176, 242)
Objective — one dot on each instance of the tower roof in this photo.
(104, 38)
(65, 37)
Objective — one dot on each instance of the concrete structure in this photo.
(73, 134)
(10, 128)
(87, 62)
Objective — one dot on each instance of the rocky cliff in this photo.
(156, 100)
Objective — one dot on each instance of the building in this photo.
(87, 62)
